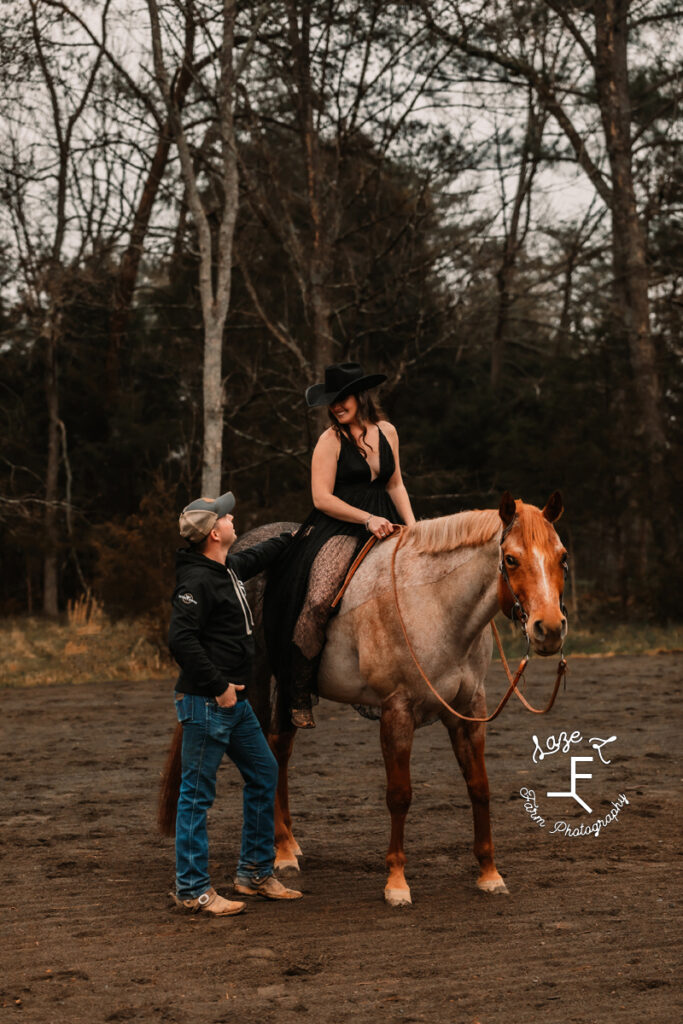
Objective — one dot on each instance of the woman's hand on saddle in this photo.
(379, 526)
(228, 698)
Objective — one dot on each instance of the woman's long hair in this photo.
(368, 412)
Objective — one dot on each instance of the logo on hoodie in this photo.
(186, 598)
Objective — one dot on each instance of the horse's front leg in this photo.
(468, 739)
(396, 732)
(287, 850)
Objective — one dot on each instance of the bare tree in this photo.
(220, 202)
(516, 216)
(50, 164)
(521, 42)
(336, 93)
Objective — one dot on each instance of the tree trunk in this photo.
(504, 278)
(631, 300)
(215, 248)
(632, 306)
(213, 407)
(323, 351)
(215, 312)
(124, 286)
(318, 269)
(515, 235)
(564, 323)
(50, 566)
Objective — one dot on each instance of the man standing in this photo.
(211, 638)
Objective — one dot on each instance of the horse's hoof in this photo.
(398, 897)
(493, 886)
(286, 864)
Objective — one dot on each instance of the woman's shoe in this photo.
(302, 718)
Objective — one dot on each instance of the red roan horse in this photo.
(448, 577)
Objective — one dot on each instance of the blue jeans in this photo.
(210, 731)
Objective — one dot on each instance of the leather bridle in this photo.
(517, 612)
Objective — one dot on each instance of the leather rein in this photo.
(518, 612)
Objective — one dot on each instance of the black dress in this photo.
(303, 582)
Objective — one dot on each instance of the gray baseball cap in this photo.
(198, 518)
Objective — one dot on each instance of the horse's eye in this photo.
(564, 564)
(511, 561)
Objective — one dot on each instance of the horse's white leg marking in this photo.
(494, 886)
(287, 854)
(398, 897)
(285, 864)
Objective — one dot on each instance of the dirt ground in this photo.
(588, 934)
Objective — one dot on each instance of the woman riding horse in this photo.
(357, 489)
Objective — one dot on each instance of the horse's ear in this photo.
(554, 507)
(507, 508)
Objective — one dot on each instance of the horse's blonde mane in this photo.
(472, 529)
(464, 529)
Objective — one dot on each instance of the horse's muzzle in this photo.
(546, 639)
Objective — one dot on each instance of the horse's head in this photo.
(533, 570)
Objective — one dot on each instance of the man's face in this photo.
(225, 528)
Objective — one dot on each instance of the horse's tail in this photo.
(170, 785)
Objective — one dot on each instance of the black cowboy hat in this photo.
(341, 380)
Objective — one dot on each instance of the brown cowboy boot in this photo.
(208, 903)
(304, 673)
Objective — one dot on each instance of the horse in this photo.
(424, 599)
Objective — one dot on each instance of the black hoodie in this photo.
(211, 632)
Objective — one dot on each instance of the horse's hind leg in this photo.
(468, 741)
(287, 850)
(396, 732)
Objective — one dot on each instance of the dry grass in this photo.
(603, 640)
(86, 647)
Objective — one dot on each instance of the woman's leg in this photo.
(327, 575)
